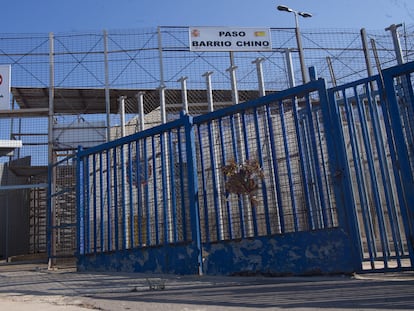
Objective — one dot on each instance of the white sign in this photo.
(229, 39)
(5, 71)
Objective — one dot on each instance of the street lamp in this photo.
(284, 8)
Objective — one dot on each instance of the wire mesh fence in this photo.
(127, 62)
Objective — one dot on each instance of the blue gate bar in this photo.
(366, 215)
(317, 167)
(182, 192)
(260, 160)
(173, 187)
(204, 186)
(373, 176)
(101, 202)
(94, 189)
(109, 198)
(130, 180)
(213, 161)
(288, 165)
(155, 192)
(275, 171)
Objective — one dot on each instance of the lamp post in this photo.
(284, 8)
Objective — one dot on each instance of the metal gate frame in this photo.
(374, 118)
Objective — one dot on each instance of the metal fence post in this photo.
(193, 188)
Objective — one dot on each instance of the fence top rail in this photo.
(297, 91)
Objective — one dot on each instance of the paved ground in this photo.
(33, 287)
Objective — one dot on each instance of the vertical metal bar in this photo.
(140, 201)
(288, 166)
(172, 189)
(289, 66)
(223, 160)
(87, 207)
(203, 192)
(161, 63)
(121, 101)
(263, 183)
(184, 98)
(147, 194)
(365, 48)
(50, 139)
(242, 132)
(331, 70)
(366, 215)
(233, 80)
(130, 181)
(101, 201)
(182, 190)
(124, 226)
(164, 172)
(161, 90)
(107, 86)
(324, 163)
(308, 175)
(373, 177)
(396, 41)
(260, 80)
(109, 197)
(216, 187)
(94, 188)
(80, 197)
(209, 89)
(275, 171)
(116, 200)
(193, 190)
(405, 180)
(316, 160)
(384, 170)
(141, 111)
(155, 188)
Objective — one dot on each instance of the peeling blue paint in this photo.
(174, 259)
(299, 253)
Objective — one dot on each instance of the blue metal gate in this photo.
(325, 176)
(376, 126)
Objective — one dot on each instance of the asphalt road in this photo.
(33, 287)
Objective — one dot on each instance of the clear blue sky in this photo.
(27, 16)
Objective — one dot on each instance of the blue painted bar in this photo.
(173, 188)
(87, 208)
(116, 200)
(109, 198)
(259, 147)
(94, 188)
(123, 199)
(80, 198)
(373, 176)
(313, 135)
(101, 200)
(302, 155)
(130, 223)
(223, 160)
(203, 191)
(165, 186)
(146, 190)
(155, 194)
(288, 166)
(139, 181)
(193, 190)
(213, 161)
(314, 221)
(360, 180)
(275, 171)
(182, 178)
